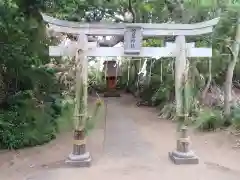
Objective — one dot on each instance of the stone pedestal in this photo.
(83, 160)
(183, 154)
(79, 157)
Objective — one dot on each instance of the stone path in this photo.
(123, 139)
(136, 146)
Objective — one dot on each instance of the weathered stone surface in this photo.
(193, 159)
(83, 160)
(183, 154)
(180, 154)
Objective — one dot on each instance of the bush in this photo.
(236, 118)
(168, 111)
(27, 122)
(209, 119)
(28, 111)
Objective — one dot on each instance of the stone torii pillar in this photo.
(79, 155)
(78, 49)
(183, 154)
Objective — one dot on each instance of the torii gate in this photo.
(133, 35)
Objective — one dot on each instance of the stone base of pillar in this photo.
(183, 154)
(179, 158)
(83, 160)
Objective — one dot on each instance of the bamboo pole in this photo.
(79, 146)
(180, 65)
(79, 154)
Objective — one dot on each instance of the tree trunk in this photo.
(205, 90)
(228, 82)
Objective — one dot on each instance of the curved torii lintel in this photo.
(117, 29)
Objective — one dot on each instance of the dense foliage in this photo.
(29, 105)
(205, 73)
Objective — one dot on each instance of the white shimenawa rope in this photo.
(128, 73)
(150, 73)
(98, 66)
(140, 64)
(106, 67)
(116, 76)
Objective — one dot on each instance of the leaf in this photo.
(148, 7)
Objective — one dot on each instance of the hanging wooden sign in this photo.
(132, 40)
